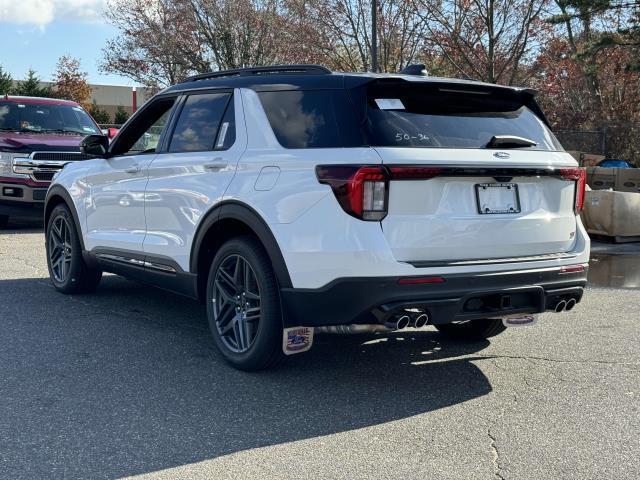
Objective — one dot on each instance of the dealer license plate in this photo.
(497, 198)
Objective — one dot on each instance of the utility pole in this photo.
(374, 35)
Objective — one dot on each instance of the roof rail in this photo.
(244, 72)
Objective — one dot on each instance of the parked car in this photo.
(293, 200)
(614, 163)
(38, 136)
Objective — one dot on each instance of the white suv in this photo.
(292, 199)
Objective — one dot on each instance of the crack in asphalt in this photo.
(497, 468)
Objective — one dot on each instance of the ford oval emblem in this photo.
(502, 155)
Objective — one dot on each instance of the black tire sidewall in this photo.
(266, 347)
(72, 282)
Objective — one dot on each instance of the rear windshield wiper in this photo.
(509, 141)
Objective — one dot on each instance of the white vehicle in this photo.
(294, 200)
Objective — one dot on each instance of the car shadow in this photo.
(126, 381)
(21, 226)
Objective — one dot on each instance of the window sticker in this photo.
(223, 134)
(389, 104)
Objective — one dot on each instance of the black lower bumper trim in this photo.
(459, 297)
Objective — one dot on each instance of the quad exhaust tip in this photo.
(421, 320)
(570, 304)
(403, 322)
(561, 305)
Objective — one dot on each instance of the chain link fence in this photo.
(613, 141)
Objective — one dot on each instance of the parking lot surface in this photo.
(126, 383)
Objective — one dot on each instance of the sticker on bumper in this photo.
(297, 340)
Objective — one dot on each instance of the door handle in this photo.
(132, 169)
(216, 165)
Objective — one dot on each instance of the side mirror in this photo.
(96, 145)
(112, 132)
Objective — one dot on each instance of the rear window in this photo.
(437, 117)
(401, 114)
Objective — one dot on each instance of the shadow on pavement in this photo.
(126, 381)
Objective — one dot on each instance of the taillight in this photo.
(361, 191)
(414, 173)
(579, 175)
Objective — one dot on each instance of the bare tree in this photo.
(484, 39)
(340, 32)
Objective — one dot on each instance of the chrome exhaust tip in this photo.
(570, 304)
(403, 322)
(560, 306)
(421, 320)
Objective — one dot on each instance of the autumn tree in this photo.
(6, 82)
(162, 42)
(70, 82)
(32, 86)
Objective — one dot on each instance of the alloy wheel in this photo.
(236, 303)
(60, 249)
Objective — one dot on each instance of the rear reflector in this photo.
(420, 280)
(572, 269)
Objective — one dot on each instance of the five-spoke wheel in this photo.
(236, 303)
(67, 269)
(60, 248)
(243, 305)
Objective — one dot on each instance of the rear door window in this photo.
(200, 119)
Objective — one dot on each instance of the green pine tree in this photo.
(30, 86)
(121, 115)
(6, 82)
(100, 115)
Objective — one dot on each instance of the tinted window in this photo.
(198, 124)
(312, 119)
(401, 115)
(35, 118)
(143, 133)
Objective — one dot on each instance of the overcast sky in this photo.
(35, 33)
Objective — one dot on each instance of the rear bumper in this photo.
(459, 297)
(22, 200)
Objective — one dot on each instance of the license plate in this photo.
(496, 198)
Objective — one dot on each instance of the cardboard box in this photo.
(628, 180)
(590, 160)
(614, 214)
(599, 178)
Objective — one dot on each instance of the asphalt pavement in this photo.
(126, 383)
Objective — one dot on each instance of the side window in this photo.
(200, 119)
(312, 119)
(227, 133)
(143, 133)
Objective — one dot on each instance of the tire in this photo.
(4, 221)
(472, 330)
(63, 248)
(244, 313)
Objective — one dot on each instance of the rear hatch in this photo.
(475, 173)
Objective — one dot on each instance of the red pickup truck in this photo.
(38, 136)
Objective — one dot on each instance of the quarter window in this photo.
(201, 126)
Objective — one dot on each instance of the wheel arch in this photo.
(224, 222)
(57, 195)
